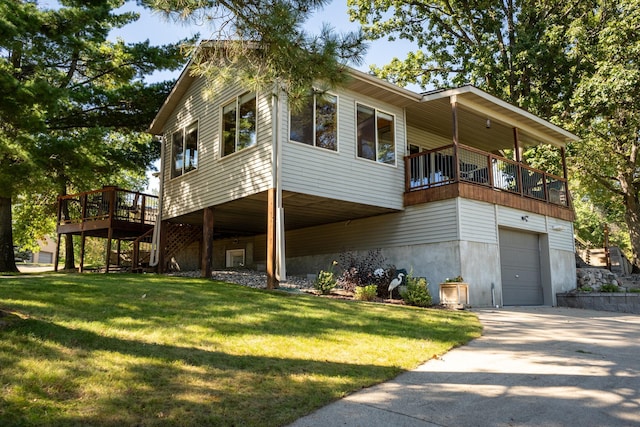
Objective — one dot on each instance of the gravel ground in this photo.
(253, 279)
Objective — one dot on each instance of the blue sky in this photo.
(160, 30)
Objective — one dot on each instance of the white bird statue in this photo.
(395, 283)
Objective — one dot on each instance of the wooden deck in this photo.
(110, 213)
(125, 214)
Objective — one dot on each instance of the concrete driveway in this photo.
(538, 366)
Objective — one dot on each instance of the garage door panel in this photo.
(520, 268)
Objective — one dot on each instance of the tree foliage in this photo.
(512, 49)
(573, 63)
(265, 42)
(606, 111)
(75, 104)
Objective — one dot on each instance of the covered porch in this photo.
(473, 146)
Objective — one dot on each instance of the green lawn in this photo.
(112, 350)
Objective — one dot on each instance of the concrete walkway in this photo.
(538, 366)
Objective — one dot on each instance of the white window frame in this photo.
(184, 131)
(231, 253)
(314, 142)
(376, 112)
(237, 102)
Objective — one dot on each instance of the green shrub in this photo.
(586, 289)
(609, 288)
(417, 292)
(635, 290)
(325, 281)
(366, 293)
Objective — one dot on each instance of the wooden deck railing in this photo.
(108, 203)
(437, 167)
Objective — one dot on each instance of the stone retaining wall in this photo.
(594, 278)
(620, 302)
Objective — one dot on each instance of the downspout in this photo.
(154, 257)
(281, 270)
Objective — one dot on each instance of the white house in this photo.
(370, 165)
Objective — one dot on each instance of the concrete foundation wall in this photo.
(435, 262)
(481, 270)
(563, 272)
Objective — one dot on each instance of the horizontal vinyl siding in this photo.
(426, 139)
(560, 232)
(342, 175)
(512, 218)
(560, 238)
(477, 221)
(422, 224)
(217, 180)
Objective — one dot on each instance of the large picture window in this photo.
(184, 152)
(316, 123)
(376, 135)
(239, 124)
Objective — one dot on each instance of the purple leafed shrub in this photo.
(364, 270)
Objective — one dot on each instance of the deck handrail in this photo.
(108, 203)
(435, 167)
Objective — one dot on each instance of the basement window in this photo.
(235, 258)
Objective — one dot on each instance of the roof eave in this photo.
(170, 103)
(563, 136)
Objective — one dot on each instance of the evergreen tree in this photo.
(264, 43)
(67, 90)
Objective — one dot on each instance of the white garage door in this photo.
(520, 265)
(45, 257)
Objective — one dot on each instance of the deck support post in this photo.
(57, 255)
(135, 259)
(272, 281)
(82, 240)
(108, 256)
(207, 241)
(454, 120)
(517, 156)
(517, 149)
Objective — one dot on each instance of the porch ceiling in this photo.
(248, 216)
(474, 108)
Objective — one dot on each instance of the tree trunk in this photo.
(632, 216)
(7, 258)
(69, 259)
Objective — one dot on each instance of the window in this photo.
(239, 124)
(184, 152)
(235, 258)
(376, 135)
(317, 122)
